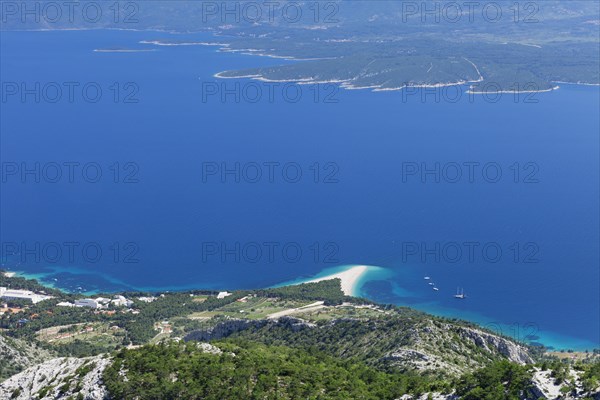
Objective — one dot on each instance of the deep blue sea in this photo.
(174, 179)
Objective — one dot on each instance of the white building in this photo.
(91, 303)
(222, 295)
(121, 301)
(102, 300)
(10, 294)
(147, 299)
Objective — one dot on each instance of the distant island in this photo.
(397, 64)
(181, 43)
(383, 46)
(123, 50)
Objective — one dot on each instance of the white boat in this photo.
(436, 289)
(460, 295)
(431, 283)
(427, 278)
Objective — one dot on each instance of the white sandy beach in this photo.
(349, 278)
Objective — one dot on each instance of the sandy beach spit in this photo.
(350, 279)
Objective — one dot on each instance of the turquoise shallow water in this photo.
(527, 332)
(363, 218)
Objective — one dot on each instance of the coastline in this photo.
(551, 340)
(470, 91)
(43, 279)
(165, 43)
(578, 83)
(347, 85)
(344, 84)
(226, 48)
(123, 50)
(352, 277)
(36, 277)
(201, 282)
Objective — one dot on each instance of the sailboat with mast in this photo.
(460, 294)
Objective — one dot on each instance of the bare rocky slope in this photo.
(403, 342)
(454, 349)
(17, 355)
(75, 378)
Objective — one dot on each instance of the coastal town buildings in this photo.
(121, 301)
(27, 295)
(146, 299)
(91, 303)
(99, 302)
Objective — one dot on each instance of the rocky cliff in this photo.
(59, 378)
(17, 355)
